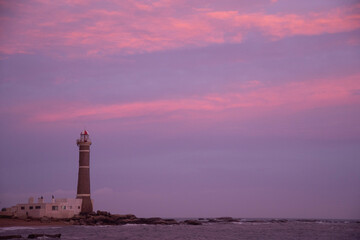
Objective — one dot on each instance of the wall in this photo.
(60, 208)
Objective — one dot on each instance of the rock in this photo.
(150, 220)
(254, 221)
(126, 216)
(44, 235)
(170, 221)
(126, 221)
(82, 222)
(78, 217)
(192, 222)
(103, 213)
(90, 221)
(278, 221)
(100, 218)
(307, 220)
(105, 218)
(10, 236)
(157, 221)
(226, 219)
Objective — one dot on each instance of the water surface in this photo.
(225, 231)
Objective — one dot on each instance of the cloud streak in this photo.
(251, 96)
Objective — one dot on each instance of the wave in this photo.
(4, 229)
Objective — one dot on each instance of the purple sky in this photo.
(201, 108)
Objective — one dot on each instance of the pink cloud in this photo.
(134, 27)
(223, 14)
(282, 25)
(252, 96)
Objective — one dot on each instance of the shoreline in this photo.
(15, 222)
(105, 218)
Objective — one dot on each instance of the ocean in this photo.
(220, 231)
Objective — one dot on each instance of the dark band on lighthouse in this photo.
(83, 188)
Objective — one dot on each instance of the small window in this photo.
(31, 207)
(70, 207)
(64, 207)
(37, 207)
(78, 207)
(55, 208)
(22, 208)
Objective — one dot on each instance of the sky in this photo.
(195, 108)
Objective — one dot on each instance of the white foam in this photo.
(3, 229)
(133, 225)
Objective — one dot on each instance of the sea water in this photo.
(224, 231)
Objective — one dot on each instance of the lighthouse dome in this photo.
(85, 132)
(84, 137)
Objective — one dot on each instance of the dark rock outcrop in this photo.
(10, 237)
(192, 222)
(44, 235)
(106, 218)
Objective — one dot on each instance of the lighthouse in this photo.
(83, 187)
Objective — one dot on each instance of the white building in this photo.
(57, 208)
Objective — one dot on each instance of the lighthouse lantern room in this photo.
(84, 137)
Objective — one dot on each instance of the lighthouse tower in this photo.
(83, 187)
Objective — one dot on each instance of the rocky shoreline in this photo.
(106, 218)
(93, 219)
